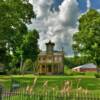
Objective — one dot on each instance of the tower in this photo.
(50, 47)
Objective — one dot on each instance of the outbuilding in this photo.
(86, 68)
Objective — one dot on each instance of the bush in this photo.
(97, 75)
(69, 72)
(78, 73)
(15, 71)
(27, 66)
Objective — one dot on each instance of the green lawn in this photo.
(87, 82)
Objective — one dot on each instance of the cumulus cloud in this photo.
(88, 4)
(57, 26)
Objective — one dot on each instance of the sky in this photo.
(57, 20)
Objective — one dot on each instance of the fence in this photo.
(18, 92)
(48, 96)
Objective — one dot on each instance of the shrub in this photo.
(15, 71)
(78, 73)
(28, 65)
(97, 75)
(69, 72)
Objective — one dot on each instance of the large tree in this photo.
(14, 15)
(87, 39)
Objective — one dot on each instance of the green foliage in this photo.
(14, 71)
(97, 75)
(75, 61)
(69, 72)
(28, 65)
(87, 40)
(30, 45)
(14, 16)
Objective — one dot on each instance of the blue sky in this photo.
(95, 4)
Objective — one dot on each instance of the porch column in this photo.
(40, 68)
(45, 69)
(58, 68)
(52, 67)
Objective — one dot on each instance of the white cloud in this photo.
(98, 10)
(57, 26)
(88, 4)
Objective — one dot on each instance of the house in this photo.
(50, 61)
(86, 68)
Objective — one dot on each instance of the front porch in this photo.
(50, 69)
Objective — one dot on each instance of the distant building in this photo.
(50, 62)
(86, 68)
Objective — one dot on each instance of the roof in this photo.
(90, 65)
(54, 53)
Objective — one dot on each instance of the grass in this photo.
(87, 82)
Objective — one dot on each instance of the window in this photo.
(58, 58)
(50, 59)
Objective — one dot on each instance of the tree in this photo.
(87, 40)
(30, 45)
(14, 15)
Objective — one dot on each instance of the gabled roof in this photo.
(90, 65)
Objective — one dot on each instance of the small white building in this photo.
(86, 68)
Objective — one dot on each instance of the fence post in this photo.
(0, 92)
